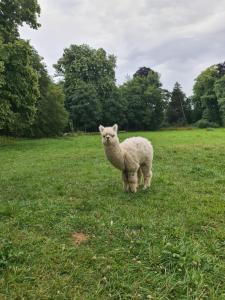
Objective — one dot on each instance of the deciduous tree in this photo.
(93, 71)
(13, 13)
(205, 98)
(19, 91)
(144, 97)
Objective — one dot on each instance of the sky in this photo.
(177, 38)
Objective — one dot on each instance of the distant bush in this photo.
(206, 124)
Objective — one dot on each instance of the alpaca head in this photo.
(109, 135)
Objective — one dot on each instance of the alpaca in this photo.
(133, 157)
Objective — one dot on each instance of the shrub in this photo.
(205, 124)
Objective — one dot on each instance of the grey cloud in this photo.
(178, 38)
(65, 6)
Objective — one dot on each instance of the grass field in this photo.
(164, 243)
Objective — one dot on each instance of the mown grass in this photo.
(164, 243)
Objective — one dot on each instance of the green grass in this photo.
(164, 243)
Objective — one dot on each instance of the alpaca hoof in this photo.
(133, 190)
(126, 188)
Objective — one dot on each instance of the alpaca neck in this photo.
(115, 155)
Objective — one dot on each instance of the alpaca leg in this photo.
(125, 181)
(133, 181)
(147, 173)
(139, 176)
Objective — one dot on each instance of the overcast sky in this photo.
(177, 38)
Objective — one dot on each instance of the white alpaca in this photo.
(133, 157)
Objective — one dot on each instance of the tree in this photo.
(51, 116)
(166, 95)
(4, 109)
(114, 109)
(144, 98)
(84, 106)
(87, 64)
(143, 71)
(219, 88)
(205, 99)
(93, 71)
(19, 91)
(13, 13)
(179, 108)
(18, 79)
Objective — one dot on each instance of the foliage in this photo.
(18, 79)
(143, 71)
(30, 103)
(93, 71)
(203, 123)
(2, 78)
(84, 106)
(163, 243)
(179, 107)
(206, 95)
(115, 109)
(210, 108)
(13, 13)
(144, 98)
(219, 88)
(221, 69)
(86, 64)
(20, 91)
(51, 116)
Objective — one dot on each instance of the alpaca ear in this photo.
(115, 127)
(101, 128)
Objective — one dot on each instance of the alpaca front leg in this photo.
(148, 180)
(147, 173)
(133, 181)
(139, 173)
(125, 181)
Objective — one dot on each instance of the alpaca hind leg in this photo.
(133, 181)
(147, 173)
(125, 181)
(139, 176)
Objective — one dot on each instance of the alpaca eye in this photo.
(112, 135)
(104, 135)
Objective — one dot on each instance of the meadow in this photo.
(164, 243)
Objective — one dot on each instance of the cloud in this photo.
(175, 37)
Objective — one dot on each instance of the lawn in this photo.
(164, 243)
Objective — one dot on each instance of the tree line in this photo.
(86, 94)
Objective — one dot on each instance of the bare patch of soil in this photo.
(79, 238)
